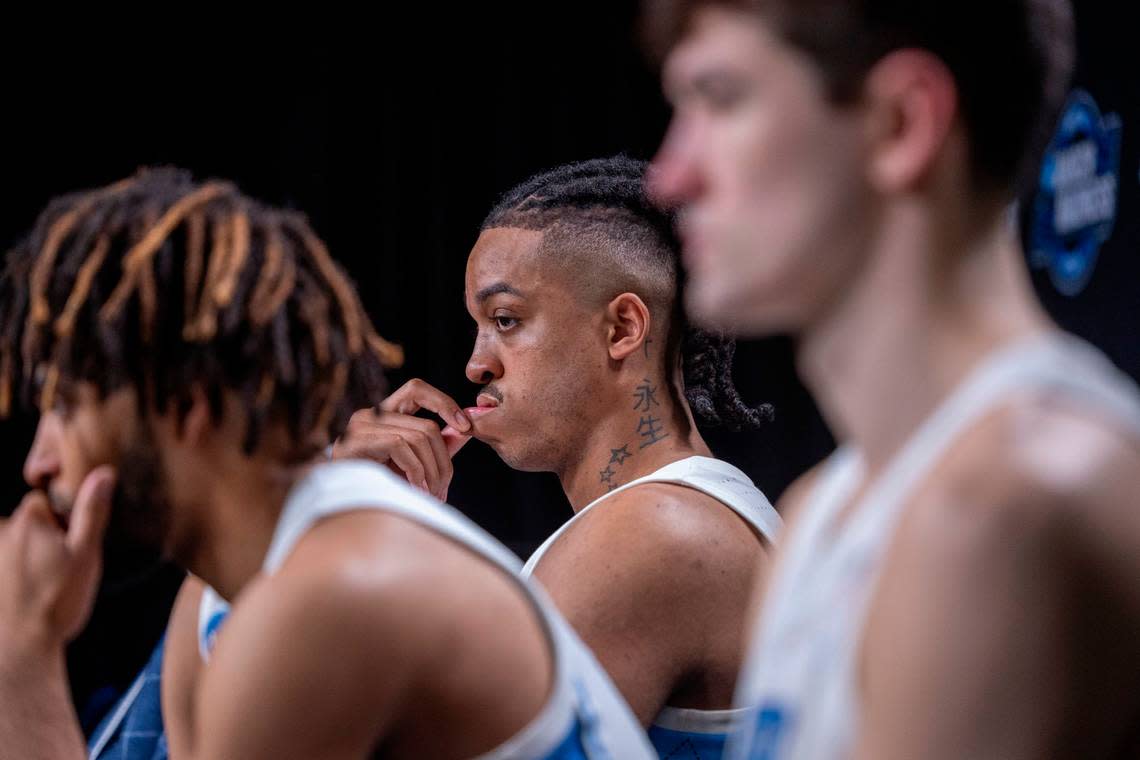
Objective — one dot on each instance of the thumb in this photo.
(92, 510)
(454, 440)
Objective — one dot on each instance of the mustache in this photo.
(60, 504)
(491, 391)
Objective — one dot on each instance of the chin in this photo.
(753, 314)
(715, 308)
(516, 455)
(517, 460)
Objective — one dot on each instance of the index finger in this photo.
(92, 510)
(416, 394)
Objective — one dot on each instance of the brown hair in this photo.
(1011, 59)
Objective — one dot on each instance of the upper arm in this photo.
(642, 582)
(181, 664)
(962, 652)
(1000, 624)
(296, 675)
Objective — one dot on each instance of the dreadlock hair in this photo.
(164, 284)
(601, 228)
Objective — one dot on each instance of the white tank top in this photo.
(584, 707)
(735, 490)
(800, 677)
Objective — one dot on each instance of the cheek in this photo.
(541, 381)
(73, 466)
(798, 183)
(79, 451)
(753, 182)
(796, 202)
(557, 384)
(93, 439)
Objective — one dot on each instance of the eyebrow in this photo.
(713, 76)
(494, 290)
(708, 76)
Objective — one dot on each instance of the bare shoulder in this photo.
(1040, 483)
(371, 609)
(393, 579)
(318, 620)
(1040, 460)
(660, 563)
(378, 573)
(328, 593)
(1017, 551)
(679, 520)
(299, 655)
(659, 535)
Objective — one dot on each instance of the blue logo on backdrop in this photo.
(1075, 207)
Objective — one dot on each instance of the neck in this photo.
(648, 427)
(238, 510)
(926, 307)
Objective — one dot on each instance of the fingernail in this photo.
(461, 420)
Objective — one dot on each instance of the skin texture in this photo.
(1003, 624)
(576, 383)
(463, 647)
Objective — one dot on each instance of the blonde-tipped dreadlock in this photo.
(164, 284)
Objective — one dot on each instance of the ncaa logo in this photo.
(1075, 207)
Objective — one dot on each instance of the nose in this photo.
(43, 461)
(484, 365)
(674, 177)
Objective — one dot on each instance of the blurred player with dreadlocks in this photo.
(192, 351)
(588, 369)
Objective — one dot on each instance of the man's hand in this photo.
(412, 447)
(50, 573)
(48, 578)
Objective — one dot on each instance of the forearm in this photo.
(37, 721)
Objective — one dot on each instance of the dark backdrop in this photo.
(395, 135)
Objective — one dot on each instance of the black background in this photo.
(395, 135)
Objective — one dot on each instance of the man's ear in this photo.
(913, 103)
(628, 323)
(191, 421)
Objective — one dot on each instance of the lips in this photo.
(485, 402)
(482, 408)
(60, 507)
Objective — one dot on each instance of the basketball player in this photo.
(200, 349)
(962, 578)
(587, 369)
